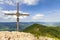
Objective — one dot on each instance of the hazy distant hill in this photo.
(12, 25)
(41, 30)
(50, 23)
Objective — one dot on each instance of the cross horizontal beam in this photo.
(19, 14)
(24, 14)
(9, 14)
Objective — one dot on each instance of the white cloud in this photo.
(10, 2)
(30, 2)
(1, 14)
(6, 18)
(13, 2)
(1, 1)
(21, 17)
(52, 16)
(38, 16)
(10, 11)
(13, 11)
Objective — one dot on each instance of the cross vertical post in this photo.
(17, 16)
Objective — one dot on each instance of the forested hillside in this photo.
(41, 30)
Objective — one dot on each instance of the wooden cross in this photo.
(17, 15)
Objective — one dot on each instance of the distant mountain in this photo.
(12, 25)
(50, 23)
(22, 25)
(41, 30)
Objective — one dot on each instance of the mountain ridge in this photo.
(41, 30)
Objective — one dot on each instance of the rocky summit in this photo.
(6, 35)
(14, 35)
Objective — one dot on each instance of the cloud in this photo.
(1, 14)
(6, 2)
(38, 16)
(13, 11)
(30, 2)
(13, 2)
(1, 1)
(52, 16)
(10, 11)
(10, 2)
(6, 18)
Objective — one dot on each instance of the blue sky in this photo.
(39, 10)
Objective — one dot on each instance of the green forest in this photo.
(42, 30)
